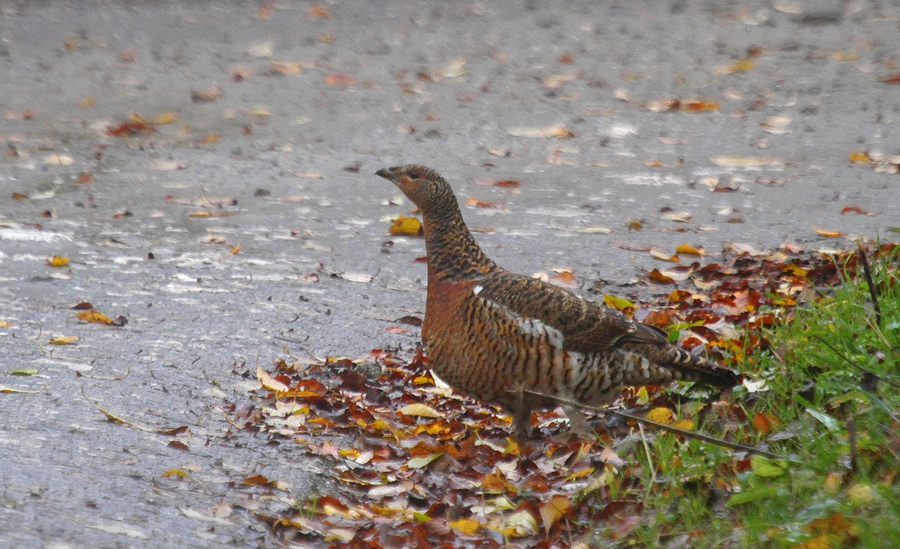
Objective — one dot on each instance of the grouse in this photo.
(496, 335)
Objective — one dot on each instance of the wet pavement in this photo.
(274, 119)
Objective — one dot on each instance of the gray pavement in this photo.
(282, 115)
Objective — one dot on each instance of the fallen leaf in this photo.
(286, 67)
(406, 226)
(828, 234)
(742, 162)
(665, 256)
(206, 96)
(337, 79)
(565, 278)
(466, 526)
(660, 278)
(166, 118)
(57, 261)
(660, 415)
(269, 382)
(167, 165)
(419, 410)
(854, 209)
(741, 65)
(619, 303)
(63, 340)
(97, 317)
(497, 183)
(478, 203)
(59, 160)
(557, 132)
(765, 423)
(260, 50)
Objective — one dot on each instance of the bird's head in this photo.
(424, 186)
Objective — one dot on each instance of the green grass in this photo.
(836, 426)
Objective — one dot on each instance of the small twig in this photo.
(851, 438)
(868, 273)
(106, 378)
(669, 428)
(649, 460)
(116, 419)
(866, 371)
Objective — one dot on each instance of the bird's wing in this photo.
(584, 326)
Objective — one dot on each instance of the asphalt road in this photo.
(278, 116)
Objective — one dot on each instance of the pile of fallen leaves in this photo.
(420, 466)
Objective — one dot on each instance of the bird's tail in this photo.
(661, 363)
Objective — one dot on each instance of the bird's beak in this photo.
(385, 173)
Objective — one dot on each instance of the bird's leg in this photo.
(521, 415)
(577, 424)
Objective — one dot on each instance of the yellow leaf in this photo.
(741, 65)
(860, 158)
(419, 410)
(236, 250)
(406, 226)
(828, 234)
(660, 415)
(553, 510)
(64, 340)
(5, 324)
(685, 424)
(176, 473)
(166, 118)
(95, 316)
(466, 526)
(582, 473)
(57, 261)
(619, 303)
(687, 249)
(643, 397)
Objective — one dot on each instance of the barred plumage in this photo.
(490, 333)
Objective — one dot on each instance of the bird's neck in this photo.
(453, 253)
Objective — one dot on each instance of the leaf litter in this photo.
(422, 466)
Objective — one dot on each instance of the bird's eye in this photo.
(414, 174)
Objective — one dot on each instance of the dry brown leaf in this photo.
(553, 510)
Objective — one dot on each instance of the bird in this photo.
(502, 337)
